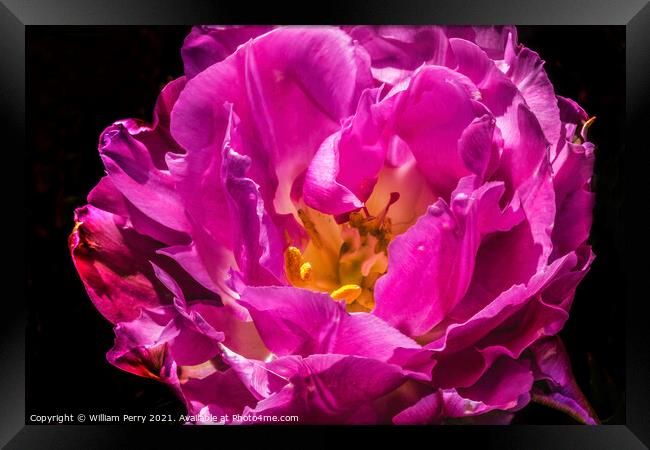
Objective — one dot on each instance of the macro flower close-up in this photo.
(347, 225)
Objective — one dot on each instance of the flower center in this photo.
(344, 259)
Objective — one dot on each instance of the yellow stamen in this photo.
(587, 124)
(582, 137)
(305, 272)
(293, 265)
(347, 292)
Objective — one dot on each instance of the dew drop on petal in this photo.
(461, 198)
(435, 210)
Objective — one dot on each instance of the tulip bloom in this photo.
(351, 225)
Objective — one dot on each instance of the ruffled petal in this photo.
(172, 344)
(505, 385)
(507, 326)
(343, 172)
(208, 265)
(209, 44)
(221, 393)
(396, 51)
(502, 389)
(431, 115)
(301, 322)
(257, 243)
(431, 265)
(497, 91)
(173, 331)
(240, 336)
(526, 70)
(559, 389)
(329, 388)
(574, 200)
(113, 262)
(526, 170)
(445, 406)
(480, 145)
(289, 99)
(133, 153)
(492, 39)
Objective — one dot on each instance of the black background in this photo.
(82, 79)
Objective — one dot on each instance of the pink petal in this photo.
(431, 265)
(430, 117)
(526, 70)
(134, 159)
(112, 260)
(209, 44)
(328, 388)
(553, 367)
(298, 321)
(288, 97)
(343, 172)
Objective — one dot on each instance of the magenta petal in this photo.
(492, 39)
(430, 117)
(343, 172)
(488, 317)
(553, 367)
(142, 344)
(507, 326)
(328, 388)
(526, 169)
(506, 385)
(478, 146)
(301, 322)
(258, 245)
(208, 265)
(222, 393)
(498, 92)
(106, 197)
(289, 97)
(427, 410)
(206, 45)
(396, 51)
(572, 116)
(321, 189)
(133, 155)
(260, 380)
(574, 200)
(431, 265)
(113, 262)
(526, 70)
(239, 335)
(440, 407)
(129, 166)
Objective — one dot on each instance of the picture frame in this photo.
(17, 16)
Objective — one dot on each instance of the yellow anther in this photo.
(305, 272)
(293, 265)
(347, 292)
(585, 129)
(588, 123)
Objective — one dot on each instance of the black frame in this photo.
(634, 14)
